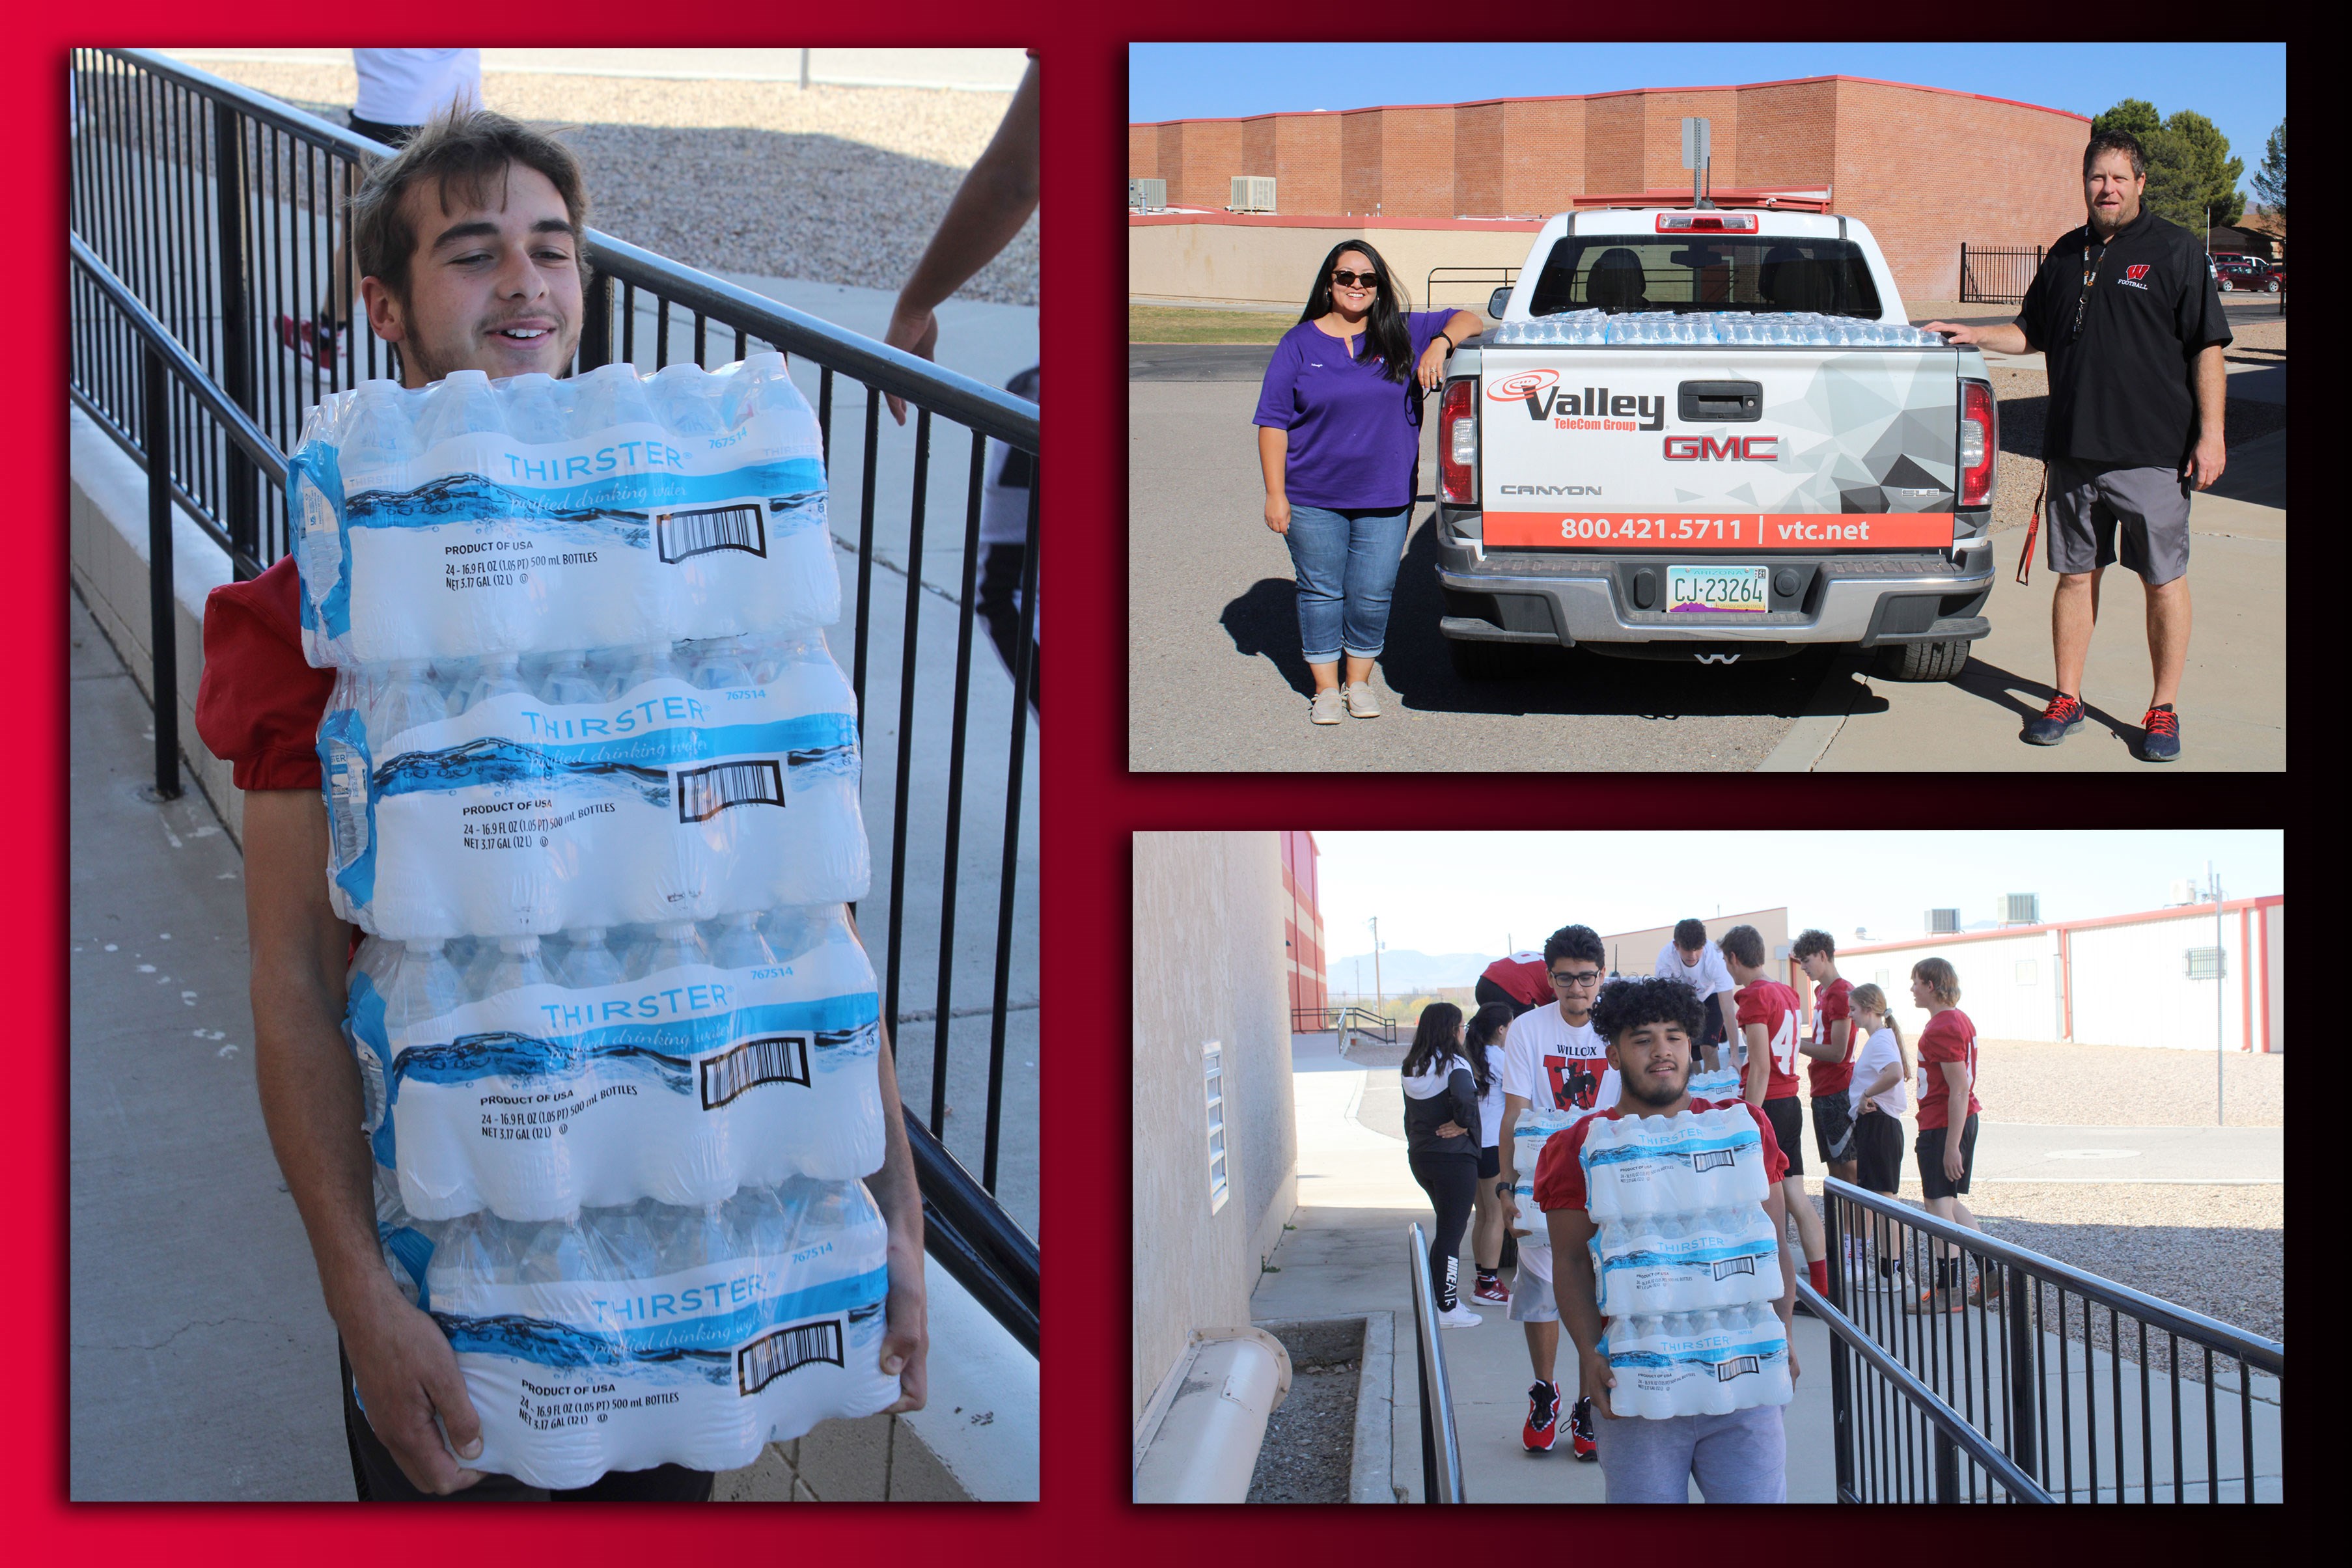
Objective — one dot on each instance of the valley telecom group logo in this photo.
(1525, 385)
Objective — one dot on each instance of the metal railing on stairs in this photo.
(1966, 1369)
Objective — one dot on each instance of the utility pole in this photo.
(2220, 991)
(1378, 1005)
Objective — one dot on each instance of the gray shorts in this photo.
(2090, 502)
(1740, 1457)
(1531, 1297)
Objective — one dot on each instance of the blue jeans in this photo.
(1346, 563)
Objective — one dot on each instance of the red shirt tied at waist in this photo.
(1523, 978)
(259, 702)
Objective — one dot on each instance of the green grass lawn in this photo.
(1178, 324)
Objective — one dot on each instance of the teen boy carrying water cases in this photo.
(1740, 1456)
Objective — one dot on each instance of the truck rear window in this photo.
(1705, 272)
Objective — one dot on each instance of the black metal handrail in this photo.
(1441, 1448)
(1315, 1021)
(1993, 1362)
(1949, 1422)
(210, 207)
(973, 1239)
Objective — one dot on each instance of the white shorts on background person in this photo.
(1531, 1297)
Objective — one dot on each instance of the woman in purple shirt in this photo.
(1339, 436)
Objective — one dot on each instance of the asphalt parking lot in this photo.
(1216, 681)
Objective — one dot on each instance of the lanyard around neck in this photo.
(2090, 277)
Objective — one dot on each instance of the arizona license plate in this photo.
(1718, 589)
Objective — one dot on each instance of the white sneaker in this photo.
(1362, 702)
(1461, 1317)
(1328, 706)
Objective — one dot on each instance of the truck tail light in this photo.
(1457, 443)
(1979, 441)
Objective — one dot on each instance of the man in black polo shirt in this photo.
(2127, 313)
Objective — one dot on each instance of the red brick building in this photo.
(1925, 167)
(1302, 926)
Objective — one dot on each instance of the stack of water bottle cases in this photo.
(592, 780)
(1686, 1263)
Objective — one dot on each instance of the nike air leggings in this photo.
(1451, 1182)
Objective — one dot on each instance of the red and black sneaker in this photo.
(1490, 1287)
(1579, 1432)
(2062, 718)
(1543, 1418)
(2159, 740)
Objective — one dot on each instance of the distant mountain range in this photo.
(1403, 971)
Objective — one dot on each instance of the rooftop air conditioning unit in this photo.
(1252, 194)
(1147, 196)
(2183, 891)
(1942, 921)
(2018, 909)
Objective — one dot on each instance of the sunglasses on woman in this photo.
(1357, 279)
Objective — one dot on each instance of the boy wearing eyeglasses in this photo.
(1555, 1071)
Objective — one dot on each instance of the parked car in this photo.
(2236, 273)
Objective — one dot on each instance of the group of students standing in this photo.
(1485, 1093)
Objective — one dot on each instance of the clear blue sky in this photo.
(2242, 88)
(1472, 893)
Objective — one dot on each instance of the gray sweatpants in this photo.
(1740, 1457)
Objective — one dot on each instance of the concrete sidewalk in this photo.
(2232, 700)
(1347, 1259)
(2206, 1156)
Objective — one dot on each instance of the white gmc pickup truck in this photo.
(1711, 435)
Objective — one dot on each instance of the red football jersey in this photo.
(1830, 1005)
(1948, 1037)
(1523, 977)
(1775, 1005)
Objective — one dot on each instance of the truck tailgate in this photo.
(1693, 447)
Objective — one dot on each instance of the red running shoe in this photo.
(1579, 1432)
(1543, 1418)
(1492, 1289)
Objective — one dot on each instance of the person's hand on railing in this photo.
(918, 332)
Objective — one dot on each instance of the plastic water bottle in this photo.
(407, 700)
(458, 405)
(534, 409)
(591, 964)
(497, 675)
(566, 682)
(517, 964)
(740, 945)
(716, 663)
(609, 396)
(686, 399)
(377, 440)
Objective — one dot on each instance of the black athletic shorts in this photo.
(1878, 1152)
(1931, 1147)
(1487, 993)
(1490, 1162)
(1832, 1118)
(1788, 1121)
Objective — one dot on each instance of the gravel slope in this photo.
(838, 184)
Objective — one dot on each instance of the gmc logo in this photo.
(1723, 448)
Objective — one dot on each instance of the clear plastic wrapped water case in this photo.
(592, 788)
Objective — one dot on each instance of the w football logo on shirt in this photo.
(2136, 273)
(1574, 1083)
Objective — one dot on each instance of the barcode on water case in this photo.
(1725, 1371)
(1727, 1266)
(771, 1356)
(704, 792)
(347, 796)
(1709, 1159)
(772, 1059)
(683, 534)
